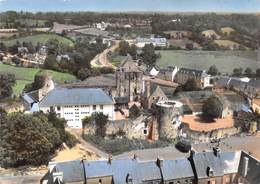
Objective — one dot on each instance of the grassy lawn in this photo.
(225, 61)
(41, 38)
(117, 146)
(26, 75)
(116, 60)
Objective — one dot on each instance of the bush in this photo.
(183, 146)
(70, 140)
(134, 112)
(212, 108)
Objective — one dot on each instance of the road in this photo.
(89, 147)
(102, 59)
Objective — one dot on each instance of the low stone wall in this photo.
(208, 136)
(132, 128)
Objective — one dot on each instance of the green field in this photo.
(41, 38)
(26, 75)
(225, 61)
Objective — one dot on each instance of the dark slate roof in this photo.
(76, 96)
(119, 169)
(224, 163)
(176, 169)
(148, 171)
(253, 174)
(195, 72)
(254, 83)
(105, 80)
(72, 171)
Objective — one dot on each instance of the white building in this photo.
(157, 42)
(76, 103)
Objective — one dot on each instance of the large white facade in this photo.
(77, 103)
(74, 114)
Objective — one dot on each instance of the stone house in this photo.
(200, 76)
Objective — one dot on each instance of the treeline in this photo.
(77, 18)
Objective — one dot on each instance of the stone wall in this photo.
(207, 136)
(138, 128)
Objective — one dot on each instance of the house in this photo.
(250, 88)
(185, 74)
(74, 104)
(168, 73)
(215, 167)
(212, 167)
(256, 105)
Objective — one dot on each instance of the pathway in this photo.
(89, 147)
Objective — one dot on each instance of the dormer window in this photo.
(129, 179)
(210, 172)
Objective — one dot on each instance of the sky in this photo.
(132, 5)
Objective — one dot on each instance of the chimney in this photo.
(110, 159)
(135, 157)
(159, 162)
(51, 166)
(216, 151)
(192, 153)
(57, 176)
(245, 166)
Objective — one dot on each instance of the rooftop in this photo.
(76, 96)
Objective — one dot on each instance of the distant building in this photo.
(156, 42)
(215, 167)
(76, 103)
(201, 76)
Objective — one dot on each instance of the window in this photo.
(58, 108)
(101, 107)
(94, 107)
(99, 181)
(145, 131)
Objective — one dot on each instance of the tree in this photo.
(123, 48)
(237, 72)
(257, 72)
(191, 85)
(212, 108)
(7, 81)
(134, 111)
(133, 51)
(53, 46)
(149, 56)
(84, 73)
(86, 121)
(248, 72)
(51, 62)
(30, 139)
(100, 122)
(213, 70)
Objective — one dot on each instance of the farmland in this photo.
(26, 75)
(225, 61)
(41, 38)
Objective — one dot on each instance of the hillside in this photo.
(41, 38)
(26, 75)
